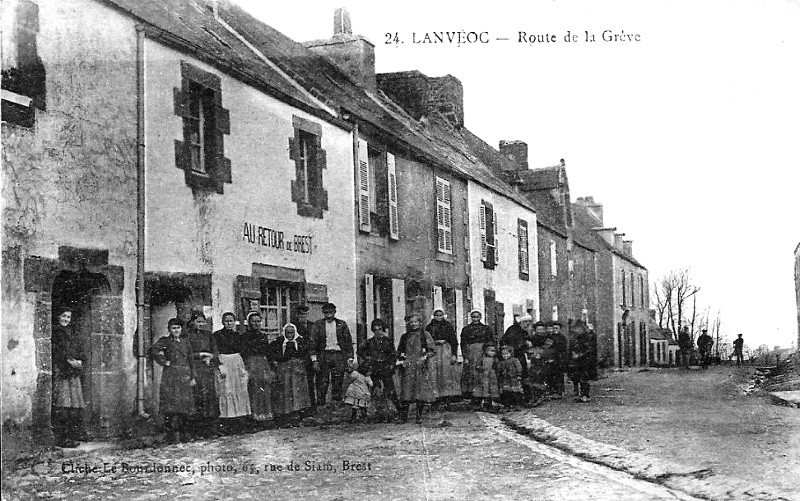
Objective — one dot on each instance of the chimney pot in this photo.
(341, 22)
(517, 152)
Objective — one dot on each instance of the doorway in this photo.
(84, 293)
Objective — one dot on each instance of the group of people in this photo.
(229, 378)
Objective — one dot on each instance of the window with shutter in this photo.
(363, 187)
(24, 79)
(394, 226)
(553, 259)
(488, 232)
(444, 215)
(524, 262)
(483, 232)
(205, 123)
(305, 149)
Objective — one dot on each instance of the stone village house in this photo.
(182, 154)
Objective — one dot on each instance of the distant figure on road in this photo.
(583, 360)
(704, 344)
(685, 344)
(738, 345)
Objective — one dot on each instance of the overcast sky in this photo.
(690, 137)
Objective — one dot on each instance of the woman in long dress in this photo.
(290, 352)
(261, 375)
(68, 402)
(444, 363)
(206, 360)
(177, 400)
(415, 352)
(474, 336)
(231, 382)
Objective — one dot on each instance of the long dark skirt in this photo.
(177, 396)
(291, 388)
(472, 355)
(445, 372)
(259, 386)
(68, 393)
(205, 394)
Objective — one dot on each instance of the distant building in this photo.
(623, 292)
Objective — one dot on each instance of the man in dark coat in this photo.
(583, 359)
(704, 344)
(685, 344)
(555, 381)
(331, 349)
(304, 327)
(516, 335)
(738, 346)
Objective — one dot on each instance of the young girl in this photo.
(174, 353)
(378, 357)
(509, 377)
(486, 389)
(357, 395)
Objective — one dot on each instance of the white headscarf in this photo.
(286, 340)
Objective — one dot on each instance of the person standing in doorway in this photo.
(331, 350)
(68, 402)
(738, 347)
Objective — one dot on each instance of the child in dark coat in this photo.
(538, 362)
(509, 378)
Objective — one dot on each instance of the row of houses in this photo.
(165, 156)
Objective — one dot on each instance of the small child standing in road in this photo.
(509, 377)
(358, 393)
(486, 389)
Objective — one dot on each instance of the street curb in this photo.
(702, 483)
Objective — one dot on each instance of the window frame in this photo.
(205, 89)
(523, 244)
(444, 215)
(310, 161)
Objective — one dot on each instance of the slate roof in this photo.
(585, 222)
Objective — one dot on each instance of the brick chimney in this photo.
(353, 54)
(517, 152)
(421, 95)
(618, 241)
(594, 209)
(627, 247)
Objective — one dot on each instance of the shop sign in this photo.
(278, 240)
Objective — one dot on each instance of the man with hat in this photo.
(331, 349)
(704, 344)
(304, 326)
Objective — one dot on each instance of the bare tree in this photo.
(672, 291)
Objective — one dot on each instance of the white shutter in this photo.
(398, 308)
(363, 187)
(554, 318)
(438, 299)
(459, 316)
(394, 228)
(483, 232)
(369, 302)
(444, 215)
(553, 259)
(496, 240)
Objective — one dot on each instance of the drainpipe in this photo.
(141, 364)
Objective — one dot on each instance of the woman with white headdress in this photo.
(474, 336)
(444, 363)
(290, 352)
